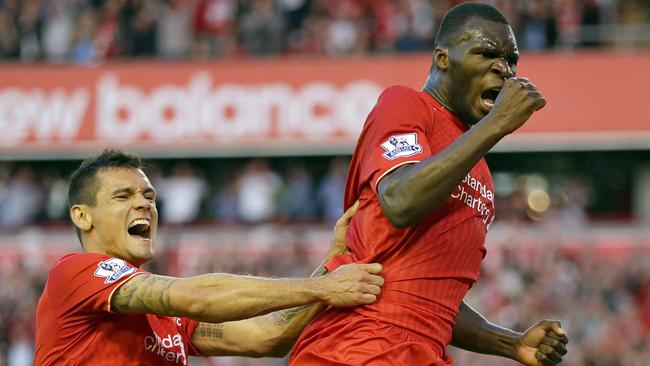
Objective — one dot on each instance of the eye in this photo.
(122, 197)
(489, 54)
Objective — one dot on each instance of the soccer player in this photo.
(426, 202)
(99, 308)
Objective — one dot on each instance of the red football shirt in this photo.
(428, 267)
(75, 325)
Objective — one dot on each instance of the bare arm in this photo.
(541, 345)
(271, 335)
(412, 192)
(274, 334)
(219, 297)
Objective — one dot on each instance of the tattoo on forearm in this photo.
(144, 293)
(209, 330)
(282, 318)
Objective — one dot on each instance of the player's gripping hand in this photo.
(352, 284)
(516, 102)
(543, 344)
(338, 245)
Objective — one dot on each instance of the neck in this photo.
(435, 87)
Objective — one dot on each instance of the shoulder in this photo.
(76, 261)
(398, 92)
(83, 266)
(402, 98)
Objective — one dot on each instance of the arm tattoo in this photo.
(145, 293)
(209, 330)
(282, 318)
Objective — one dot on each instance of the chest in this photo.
(159, 340)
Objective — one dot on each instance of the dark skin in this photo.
(484, 56)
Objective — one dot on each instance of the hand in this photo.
(353, 284)
(542, 344)
(338, 245)
(517, 101)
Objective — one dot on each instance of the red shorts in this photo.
(360, 340)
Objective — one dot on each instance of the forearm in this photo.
(285, 326)
(415, 191)
(271, 335)
(474, 333)
(217, 298)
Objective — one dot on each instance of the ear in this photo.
(441, 58)
(80, 215)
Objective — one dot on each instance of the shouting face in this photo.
(124, 219)
(475, 67)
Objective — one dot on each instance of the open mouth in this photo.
(489, 96)
(140, 229)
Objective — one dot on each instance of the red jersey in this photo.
(75, 325)
(428, 267)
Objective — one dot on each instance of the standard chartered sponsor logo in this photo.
(476, 195)
(170, 348)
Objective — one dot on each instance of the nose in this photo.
(142, 203)
(502, 67)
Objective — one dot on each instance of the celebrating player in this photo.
(99, 308)
(427, 201)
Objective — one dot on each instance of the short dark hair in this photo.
(83, 181)
(452, 24)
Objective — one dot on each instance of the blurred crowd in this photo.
(253, 191)
(186, 193)
(90, 31)
(603, 301)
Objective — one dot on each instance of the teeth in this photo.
(140, 222)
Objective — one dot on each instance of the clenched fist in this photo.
(543, 344)
(516, 102)
(352, 284)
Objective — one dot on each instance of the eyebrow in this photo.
(130, 191)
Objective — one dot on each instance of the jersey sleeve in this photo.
(83, 284)
(395, 134)
(189, 326)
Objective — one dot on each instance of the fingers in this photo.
(555, 345)
(538, 98)
(347, 216)
(552, 346)
(547, 360)
(370, 289)
(368, 298)
(372, 268)
(552, 325)
(375, 280)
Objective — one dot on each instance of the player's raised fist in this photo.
(353, 284)
(516, 102)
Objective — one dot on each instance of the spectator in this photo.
(57, 30)
(9, 39)
(257, 190)
(181, 194)
(296, 196)
(83, 50)
(106, 37)
(262, 29)
(332, 189)
(173, 32)
(30, 27)
(23, 199)
(213, 28)
(539, 27)
(139, 30)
